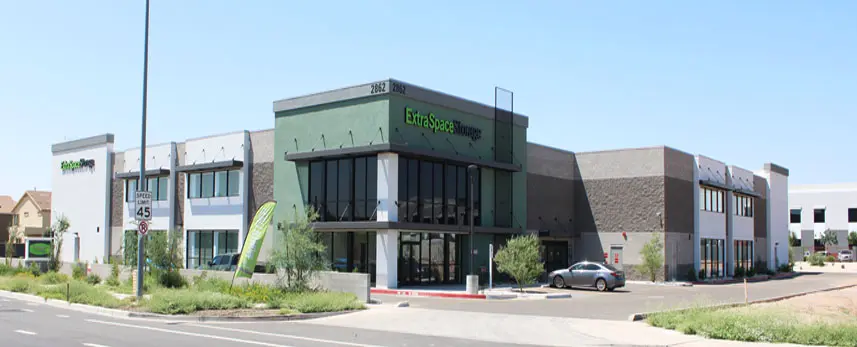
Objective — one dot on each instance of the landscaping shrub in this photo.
(210, 284)
(34, 269)
(53, 278)
(113, 280)
(19, 284)
(169, 301)
(78, 271)
(816, 259)
(6, 270)
(751, 272)
(786, 268)
(310, 302)
(754, 326)
(739, 272)
(701, 275)
(80, 292)
(691, 275)
(93, 279)
(830, 259)
(256, 293)
(170, 279)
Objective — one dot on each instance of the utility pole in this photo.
(141, 186)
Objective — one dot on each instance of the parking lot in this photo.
(634, 298)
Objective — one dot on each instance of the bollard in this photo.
(746, 297)
(134, 281)
(68, 292)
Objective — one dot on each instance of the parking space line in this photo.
(25, 332)
(179, 332)
(295, 337)
(94, 345)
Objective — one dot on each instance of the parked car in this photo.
(603, 277)
(846, 255)
(225, 262)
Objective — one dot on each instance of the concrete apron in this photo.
(452, 292)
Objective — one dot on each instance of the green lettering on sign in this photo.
(436, 124)
(69, 165)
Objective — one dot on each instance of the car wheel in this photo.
(601, 285)
(558, 282)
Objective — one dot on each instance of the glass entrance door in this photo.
(409, 265)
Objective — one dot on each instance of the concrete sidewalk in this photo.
(516, 329)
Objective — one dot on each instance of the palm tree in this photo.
(828, 238)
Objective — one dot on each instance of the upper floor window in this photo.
(159, 186)
(818, 215)
(344, 189)
(744, 205)
(711, 199)
(26, 214)
(436, 193)
(852, 215)
(794, 215)
(213, 184)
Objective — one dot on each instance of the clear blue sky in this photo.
(745, 82)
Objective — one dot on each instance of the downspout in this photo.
(108, 204)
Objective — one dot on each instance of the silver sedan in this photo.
(587, 274)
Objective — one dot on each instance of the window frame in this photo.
(213, 193)
(792, 215)
(852, 215)
(154, 188)
(815, 214)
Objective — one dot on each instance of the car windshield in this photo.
(610, 267)
(845, 252)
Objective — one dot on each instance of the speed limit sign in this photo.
(143, 205)
(143, 227)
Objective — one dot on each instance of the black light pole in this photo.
(471, 169)
(141, 186)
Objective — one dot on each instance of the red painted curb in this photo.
(426, 293)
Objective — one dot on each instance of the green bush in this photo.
(786, 268)
(19, 284)
(701, 275)
(830, 259)
(755, 326)
(210, 284)
(816, 259)
(113, 280)
(739, 272)
(751, 272)
(34, 269)
(78, 271)
(310, 302)
(170, 301)
(53, 278)
(93, 279)
(256, 293)
(6, 270)
(691, 274)
(80, 292)
(169, 279)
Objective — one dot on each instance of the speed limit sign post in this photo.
(143, 206)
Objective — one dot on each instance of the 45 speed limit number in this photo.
(143, 206)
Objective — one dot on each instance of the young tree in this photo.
(296, 253)
(653, 256)
(828, 238)
(520, 259)
(58, 230)
(852, 238)
(793, 241)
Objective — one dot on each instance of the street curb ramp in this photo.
(110, 312)
(642, 316)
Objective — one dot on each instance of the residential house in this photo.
(6, 206)
(31, 216)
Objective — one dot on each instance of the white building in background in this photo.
(815, 208)
(81, 172)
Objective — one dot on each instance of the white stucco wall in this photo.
(214, 148)
(711, 170)
(81, 196)
(743, 227)
(835, 198)
(157, 157)
(712, 225)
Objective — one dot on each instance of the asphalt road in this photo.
(25, 324)
(634, 298)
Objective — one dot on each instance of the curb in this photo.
(749, 280)
(641, 316)
(110, 312)
(662, 284)
(426, 294)
(526, 296)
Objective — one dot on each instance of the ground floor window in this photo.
(204, 245)
(743, 254)
(427, 258)
(350, 251)
(712, 256)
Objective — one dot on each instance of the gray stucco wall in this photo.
(181, 189)
(550, 190)
(760, 222)
(679, 214)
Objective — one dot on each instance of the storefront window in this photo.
(426, 258)
(193, 187)
(435, 193)
(344, 189)
(204, 245)
(712, 255)
(214, 184)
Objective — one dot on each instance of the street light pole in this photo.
(472, 171)
(141, 185)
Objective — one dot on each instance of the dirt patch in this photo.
(833, 306)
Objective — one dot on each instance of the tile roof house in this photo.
(31, 216)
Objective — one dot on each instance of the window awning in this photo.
(136, 174)
(226, 164)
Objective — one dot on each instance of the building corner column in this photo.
(696, 207)
(245, 189)
(729, 262)
(387, 241)
(173, 188)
